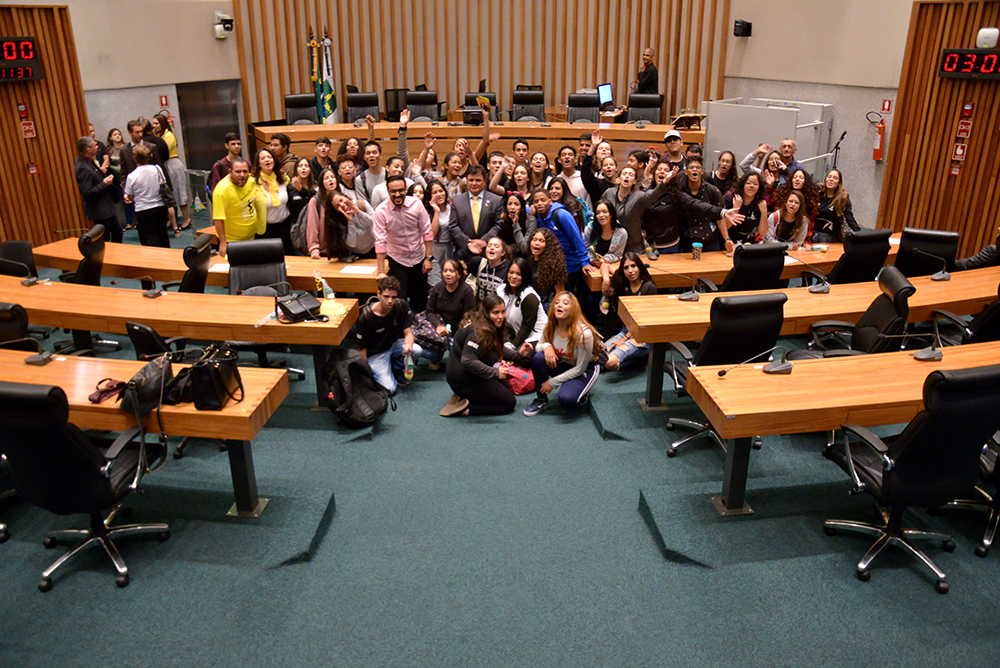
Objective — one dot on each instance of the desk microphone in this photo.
(821, 288)
(930, 354)
(783, 366)
(154, 291)
(29, 279)
(942, 275)
(691, 295)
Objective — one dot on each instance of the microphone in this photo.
(821, 288)
(942, 275)
(29, 279)
(930, 354)
(154, 291)
(692, 294)
(783, 366)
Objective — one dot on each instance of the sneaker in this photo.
(455, 406)
(536, 406)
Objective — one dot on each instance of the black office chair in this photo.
(934, 460)
(583, 108)
(742, 326)
(755, 267)
(361, 105)
(60, 469)
(350, 88)
(17, 259)
(395, 102)
(984, 327)
(528, 105)
(197, 258)
(14, 329)
(300, 109)
(88, 272)
(937, 251)
(989, 473)
(470, 103)
(865, 253)
(423, 105)
(644, 107)
(527, 87)
(877, 331)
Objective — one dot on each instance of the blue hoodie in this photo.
(563, 224)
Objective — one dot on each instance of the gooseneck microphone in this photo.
(29, 280)
(933, 353)
(821, 288)
(942, 275)
(783, 366)
(691, 295)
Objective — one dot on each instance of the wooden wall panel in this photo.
(45, 207)
(450, 45)
(917, 189)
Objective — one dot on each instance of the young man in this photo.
(280, 146)
(221, 168)
(520, 152)
(403, 236)
(322, 159)
(555, 217)
(570, 174)
(475, 216)
(238, 207)
(675, 146)
(702, 227)
(630, 203)
(374, 174)
(385, 335)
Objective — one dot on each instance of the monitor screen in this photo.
(482, 85)
(605, 95)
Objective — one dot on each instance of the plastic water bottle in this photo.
(408, 372)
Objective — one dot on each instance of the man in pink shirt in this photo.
(402, 231)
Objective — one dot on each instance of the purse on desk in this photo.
(299, 308)
(214, 379)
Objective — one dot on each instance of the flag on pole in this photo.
(328, 110)
(314, 75)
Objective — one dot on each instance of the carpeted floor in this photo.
(507, 541)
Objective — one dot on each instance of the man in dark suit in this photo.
(135, 133)
(475, 216)
(94, 183)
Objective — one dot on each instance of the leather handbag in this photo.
(166, 193)
(215, 378)
(425, 333)
(298, 308)
(144, 391)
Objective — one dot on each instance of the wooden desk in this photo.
(167, 264)
(238, 423)
(819, 395)
(659, 319)
(715, 265)
(195, 316)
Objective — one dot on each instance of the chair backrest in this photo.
(18, 252)
(527, 87)
(145, 340)
(934, 242)
(937, 455)
(886, 315)
(865, 253)
(583, 107)
(644, 107)
(91, 247)
(301, 107)
(395, 102)
(197, 257)
(55, 466)
(470, 101)
(257, 262)
(350, 88)
(528, 105)
(360, 105)
(755, 267)
(423, 105)
(986, 325)
(741, 326)
(13, 322)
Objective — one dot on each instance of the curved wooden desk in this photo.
(238, 423)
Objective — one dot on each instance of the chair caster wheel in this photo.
(49, 542)
(756, 443)
(829, 531)
(982, 551)
(122, 581)
(4, 536)
(671, 453)
(864, 576)
(223, 447)
(45, 584)
(670, 426)
(948, 545)
(163, 536)
(941, 587)
(178, 454)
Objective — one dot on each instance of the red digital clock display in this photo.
(970, 64)
(19, 59)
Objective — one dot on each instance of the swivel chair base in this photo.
(699, 431)
(99, 533)
(179, 450)
(991, 503)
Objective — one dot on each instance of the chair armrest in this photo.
(682, 350)
(712, 287)
(178, 342)
(814, 276)
(832, 326)
(954, 319)
(842, 353)
(872, 442)
(67, 276)
(24, 345)
(170, 284)
(119, 444)
(84, 352)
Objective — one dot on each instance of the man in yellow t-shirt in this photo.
(238, 206)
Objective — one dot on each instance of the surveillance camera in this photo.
(227, 24)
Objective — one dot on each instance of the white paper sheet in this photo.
(359, 269)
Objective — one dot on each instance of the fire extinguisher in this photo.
(879, 151)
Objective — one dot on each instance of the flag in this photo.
(314, 75)
(328, 100)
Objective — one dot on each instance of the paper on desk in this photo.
(894, 241)
(219, 268)
(789, 260)
(332, 309)
(358, 269)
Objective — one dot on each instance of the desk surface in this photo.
(196, 316)
(661, 318)
(167, 264)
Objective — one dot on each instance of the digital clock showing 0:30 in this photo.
(19, 59)
(970, 64)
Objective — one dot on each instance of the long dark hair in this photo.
(809, 192)
(551, 263)
(595, 227)
(334, 228)
(527, 276)
(731, 176)
(619, 283)
(738, 188)
(164, 124)
(427, 195)
(506, 224)
(568, 200)
(487, 334)
(280, 175)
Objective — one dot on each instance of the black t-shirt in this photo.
(375, 333)
(745, 232)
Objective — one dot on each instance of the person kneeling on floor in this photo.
(385, 336)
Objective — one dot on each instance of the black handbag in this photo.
(166, 192)
(425, 334)
(214, 379)
(141, 394)
(298, 308)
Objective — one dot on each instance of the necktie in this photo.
(475, 213)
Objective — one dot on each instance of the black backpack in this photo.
(354, 396)
(299, 227)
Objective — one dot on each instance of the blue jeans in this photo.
(631, 354)
(391, 363)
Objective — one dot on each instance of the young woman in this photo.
(632, 278)
(316, 223)
(351, 148)
(559, 192)
(802, 182)
(114, 148)
(142, 188)
(753, 208)
(175, 168)
(453, 181)
(605, 241)
(539, 174)
(565, 358)
(771, 172)
(447, 302)
(525, 314)
(416, 190)
(426, 163)
(724, 178)
(300, 190)
(548, 264)
(835, 219)
(663, 220)
(274, 185)
(599, 169)
(472, 371)
(517, 183)
(788, 224)
(438, 206)
(516, 224)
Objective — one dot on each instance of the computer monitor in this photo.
(605, 95)
(482, 85)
